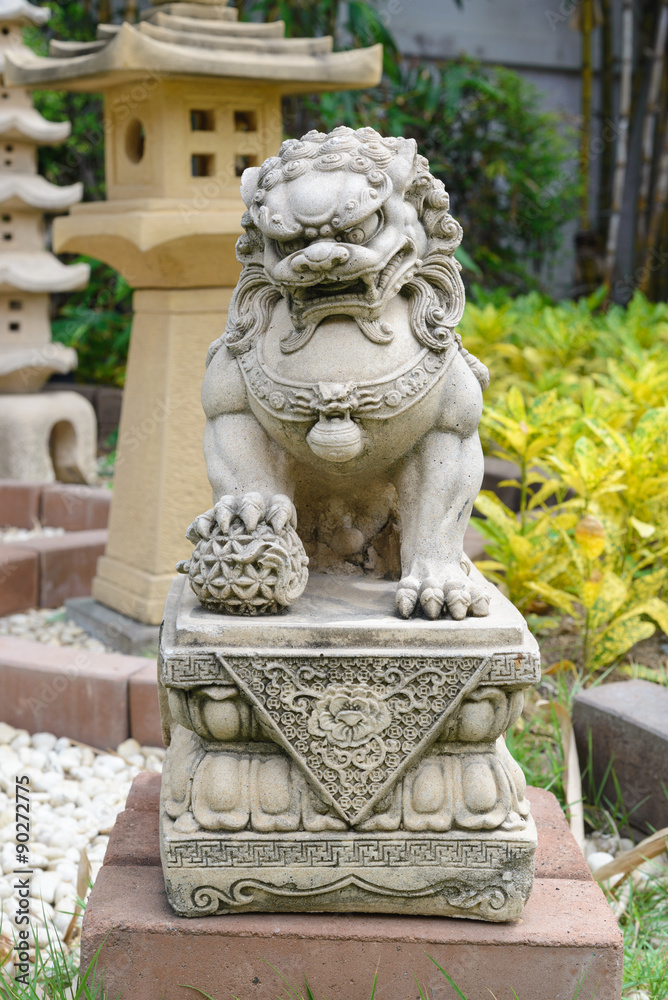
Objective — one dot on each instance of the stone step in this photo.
(567, 933)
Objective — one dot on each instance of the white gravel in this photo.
(21, 534)
(76, 792)
(50, 625)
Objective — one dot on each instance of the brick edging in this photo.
(96, 698)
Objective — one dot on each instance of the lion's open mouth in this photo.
(333, 289)
(314, 302)
(363, 299)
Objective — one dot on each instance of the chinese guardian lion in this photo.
(340, 389)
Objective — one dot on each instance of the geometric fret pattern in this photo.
(351, 852)
(191, 669)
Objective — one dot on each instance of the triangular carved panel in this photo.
(355, 724)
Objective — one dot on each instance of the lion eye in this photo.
(355, 235)
(362, 232)
(290, 246)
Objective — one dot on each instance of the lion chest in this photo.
(335, 395)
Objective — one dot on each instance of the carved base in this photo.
(338, 758)
(482, 875)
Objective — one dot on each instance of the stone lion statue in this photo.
(340, 390)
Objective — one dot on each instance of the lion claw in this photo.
(458, 602)
(480, 605)
(454, 596)
(431, 599)
(224, 511)
(407, 597)
(200, 527)
(281, 511)
(251, 510)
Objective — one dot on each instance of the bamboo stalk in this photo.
(607, 98)
(656, 217)
(624, 864)
(571, 779)
(104, 11)
(622, 139)
(587, 25)
(649, 125)
(130, 14)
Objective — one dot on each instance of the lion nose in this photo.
(320, 257)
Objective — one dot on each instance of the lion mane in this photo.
(433, 288)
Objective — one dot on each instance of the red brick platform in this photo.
(567, 933)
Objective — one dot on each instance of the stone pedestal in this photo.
(567, 935)
(47, 437)
(160, 436)
(339, 758)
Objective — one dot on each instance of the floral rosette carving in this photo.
(248, 558)
(349, 716)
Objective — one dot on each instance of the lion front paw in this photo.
(450, 593)
(248, 558)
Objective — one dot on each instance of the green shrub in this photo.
(503, 161)
(579, 402)
(96, 322)
(506, 163)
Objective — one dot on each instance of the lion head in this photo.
(366, 221)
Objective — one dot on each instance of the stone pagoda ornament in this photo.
(336, 678)
(192, 96)
(42, 436)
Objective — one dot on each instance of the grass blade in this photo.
(449, 978)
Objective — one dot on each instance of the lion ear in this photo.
(249, 184)
(402, 167)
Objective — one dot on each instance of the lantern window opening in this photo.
(15, 305)
(202, 120)
(245, 121)
(6, 218)
(5, 31)
(7, 236)
(9, 148)
(5, 95)
(242, 161)
(14, 327)
(202, 165)
(135, 141)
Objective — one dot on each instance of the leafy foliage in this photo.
(53, 974)
(506, 163)
(96, 322)
(495, 151)
(580, 407)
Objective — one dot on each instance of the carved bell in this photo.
(336, 439)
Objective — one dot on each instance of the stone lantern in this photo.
(192, 98)
(43, 436)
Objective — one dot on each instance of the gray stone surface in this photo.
(351, 767)
(340, 400)
(626, 724)
(355, 611)
(336, 733)
(116, 630)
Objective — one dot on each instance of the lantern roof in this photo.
(21, 124)
(192, 40)
(40, 271)
(34, 191)
(22, 12)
